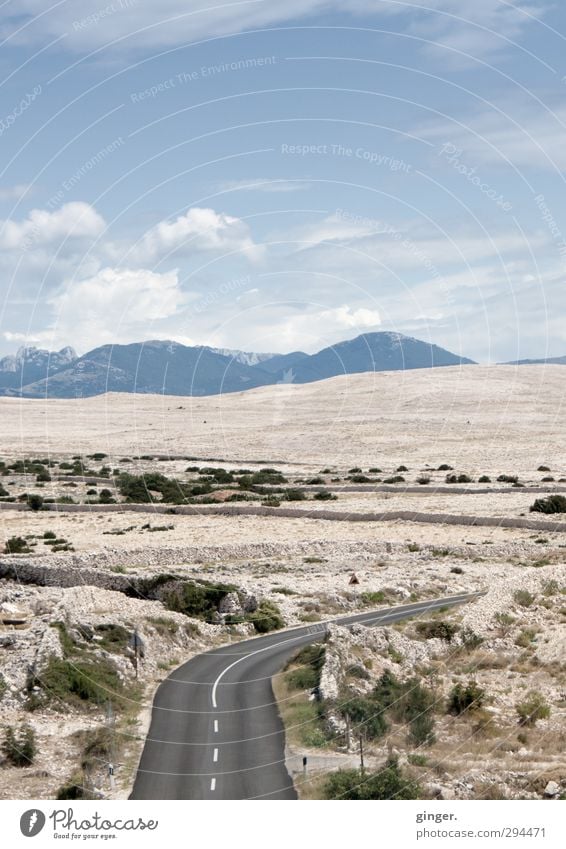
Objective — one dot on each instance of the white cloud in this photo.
(197, 230)
(116, 305)
(15, 192)
(264, 184)
(525, 136)
(72, 221)
(88, 24)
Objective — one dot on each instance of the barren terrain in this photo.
(79, 600)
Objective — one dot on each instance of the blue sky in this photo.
(274, 177)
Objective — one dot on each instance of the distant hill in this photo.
(153, 367)
(31, 364)
(373, 352)
(556, 361)
(163, 367)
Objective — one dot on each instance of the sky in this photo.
(272, 177)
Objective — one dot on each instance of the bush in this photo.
(437, 628)
(373, 597)
(423, 480)
(387, 783)
(360, 479)
(484, 479)
(458, 479)
(35, 502)
(543, 469)
(445, 468)
(105, 497)
(304, 678)
(551, 504)
(19, 750)
(395, 479)
(324, 496)
(79, 684)
(524, 598)
(196, 600)
(267, 617)
(16, 545)
(470, 639)
(368, 715)
(508, 479)
(422, 730)
(295, 495)
(532, 708)
(463, 698)
(311, 660)
(401, 469)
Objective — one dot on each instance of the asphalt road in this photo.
(215, 730)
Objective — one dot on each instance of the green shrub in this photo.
(395, 479)
(421, 731)
(197, 600)
(444, 467)
(484, 479)
(388, 783)
(437, 628)
(533, 708)
(16, 545)
(19, 749)
(86, 682)
(267, 617)
(423, 480)
(508, 479)
(524, 598)
(458, 479)
(551, 504)
(401, 469)
(360, 479)
(373, 597)
(464, 698)
(294, 495)
(304, 678)
(35, 502)
(367, 716)
(324, 496)
(469, 637)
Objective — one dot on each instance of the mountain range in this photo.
(173, 369)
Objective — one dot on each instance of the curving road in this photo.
(215, 730)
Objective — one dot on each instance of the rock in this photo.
(447, 793)
(552, 790)
(230, 605)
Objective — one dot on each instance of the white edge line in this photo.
(387, 612)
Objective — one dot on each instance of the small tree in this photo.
(35, 502)
(19, 750)
(533, 708)
(465, 698)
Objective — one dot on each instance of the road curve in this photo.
(215, 730)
